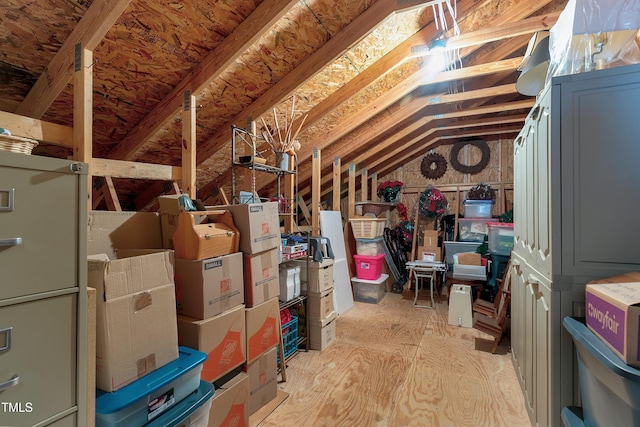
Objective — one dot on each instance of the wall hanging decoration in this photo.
(432, 203)
(433, 166)
(389, 191)
(470, 169)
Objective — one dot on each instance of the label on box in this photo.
(161, 403)
(606, 320)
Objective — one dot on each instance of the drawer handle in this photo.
(11, 383)
(8, 207)
(7, 339)
(11, 242)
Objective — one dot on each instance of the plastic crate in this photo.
(368, 267)
(290, 336)
(472, 229)
(192, 411)
(367, 228)
(369, 247)
(477, 208)
(609, 388)
(500, 238)
(153, 394)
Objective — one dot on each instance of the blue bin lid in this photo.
(370, 240)
(187, 406)
(585, 340)
(110, 402)
(478, 202)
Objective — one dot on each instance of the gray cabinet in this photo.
(43, 332)
(575, 220)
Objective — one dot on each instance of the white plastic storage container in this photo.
(477, 208)
(369, 247)
(152, 395)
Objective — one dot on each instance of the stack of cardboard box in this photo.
(317, 284)
(228, 304)
(431, 249)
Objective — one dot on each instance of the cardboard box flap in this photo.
(630, 277)
(627, 293)
(131, 275)
(108, 231)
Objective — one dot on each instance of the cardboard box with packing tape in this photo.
(136, 330)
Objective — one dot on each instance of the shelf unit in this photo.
(300, 300)
(243, 137)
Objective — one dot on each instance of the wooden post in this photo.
(316, 181)
(374, 186)
(189, 145)
(110, 195)
(351, 196)
(83, 111)
(336, 183)
(364, 189)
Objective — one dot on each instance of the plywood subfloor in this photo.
(396, 365)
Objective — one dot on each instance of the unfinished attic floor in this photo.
(396, 365)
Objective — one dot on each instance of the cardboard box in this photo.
(259, 225)
(320, 305)
(429, 253)
(613, 314)
(108, 231)
(136, 330)
(199, 239)
(263, 380)
(261, 277)
(230, 404)
(430, 238)
(262, 323)
(469, 258)
(169, 211)
(320, 275)
(209, 287)
(322, 334)
(223, 338)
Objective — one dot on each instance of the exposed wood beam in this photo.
(189, 144)
(134, 170)
(110, 195)
(326, 54)
(315, 193)
(83, 110)
(397, 145)
(336, 184)
(417, 106)
(231, 48)
(91, 29)
(37, 129)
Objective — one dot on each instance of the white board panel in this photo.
(331, 228)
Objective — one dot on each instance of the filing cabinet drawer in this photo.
(39, 207)
(40, 348)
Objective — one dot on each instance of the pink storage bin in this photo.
(368, 267)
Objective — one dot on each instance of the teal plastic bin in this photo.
(610, 389)
(152, 395)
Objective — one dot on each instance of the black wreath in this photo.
(471, 169)
(431, 159)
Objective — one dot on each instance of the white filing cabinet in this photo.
(43, 326)
(575, 220)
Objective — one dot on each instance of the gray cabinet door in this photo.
(600, 172)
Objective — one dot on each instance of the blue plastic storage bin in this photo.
(477, 208)
(152, 395)
(192, 411)
(610, 388)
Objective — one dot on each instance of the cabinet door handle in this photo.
(11, 242)
(11, 383)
